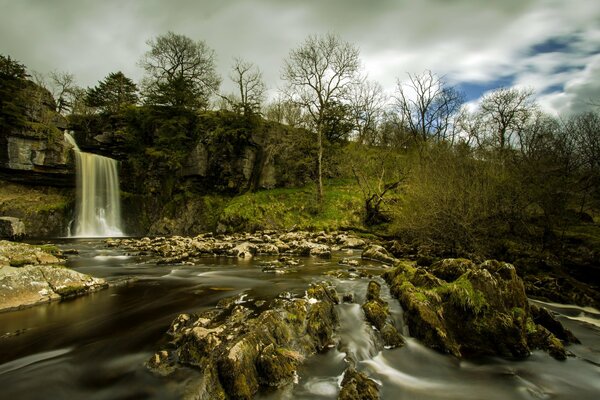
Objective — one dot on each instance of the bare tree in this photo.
(250, 85)
(320, 74)
(506, 112)
(367, 105)
(427, 105)
(62, 85)
(286, 112)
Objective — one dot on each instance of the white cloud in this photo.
(463, 40)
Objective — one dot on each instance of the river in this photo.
(94, 347)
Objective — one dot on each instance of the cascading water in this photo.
(98, 208)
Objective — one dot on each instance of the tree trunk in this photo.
(320, 167)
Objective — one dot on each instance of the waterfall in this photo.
(98, 208)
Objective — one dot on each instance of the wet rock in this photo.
(543, 317)
(377, 313)
(22, 254)
(35, 284)
(483, 311)
(11, 228)
(348, 298)
(378, 253)
(350, 242)
(244, 250)
(357, 386)
(240, 351)
(349, 261)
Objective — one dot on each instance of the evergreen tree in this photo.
(113, 93)
(13, 81)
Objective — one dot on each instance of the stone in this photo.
(357, 386)
(240, 352)
(484, 311)
(377, 314)
(378, 253)
(11, 228)
(36, 284)
(244, 250)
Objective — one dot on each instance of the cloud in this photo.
(549, 45)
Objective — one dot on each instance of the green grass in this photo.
(296, 208)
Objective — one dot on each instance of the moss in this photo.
(19, 262)
(51, 249)
(461, 294)
(70, 291)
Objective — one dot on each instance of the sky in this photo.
(550, 46)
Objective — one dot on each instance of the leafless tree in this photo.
(367, 105)
(506, 112)
(250, 85)
(427, 105)
(320, 74)
(62, 85)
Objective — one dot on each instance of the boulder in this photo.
(36, 284)
(377, 313)
(240, 352)
(11, 228)
(378, 253)
(244, 250)
(357, 386)
(481, 312)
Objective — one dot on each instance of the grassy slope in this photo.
(296, 208)
(27, 200)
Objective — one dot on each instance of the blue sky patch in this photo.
(474, 90)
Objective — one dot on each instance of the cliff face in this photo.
(36, 153)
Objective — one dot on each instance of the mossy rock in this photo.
(277, 366)
(241, 350)
(376, 312)
(357, 386)
(482, 312)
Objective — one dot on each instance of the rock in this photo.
(357, 386)
(240, 352)
(450, 269)
(482, 312)
(306, 248)
(377, 313)
(350, 242)
(244, 250)
(11, 228)
(36, 284)
(267, 248)
(21, 254)
(378, 253)
(543, 317)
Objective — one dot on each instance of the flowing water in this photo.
(95, 347)
(98, 208)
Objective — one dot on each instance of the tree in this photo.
(505, 112)
(113, 93)
(181, 72)
(584, 129)
(250, 85)
(320, 74)
(286, 112)
(427, 105)
(367, 105)
(13, 81)
(62, 85)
